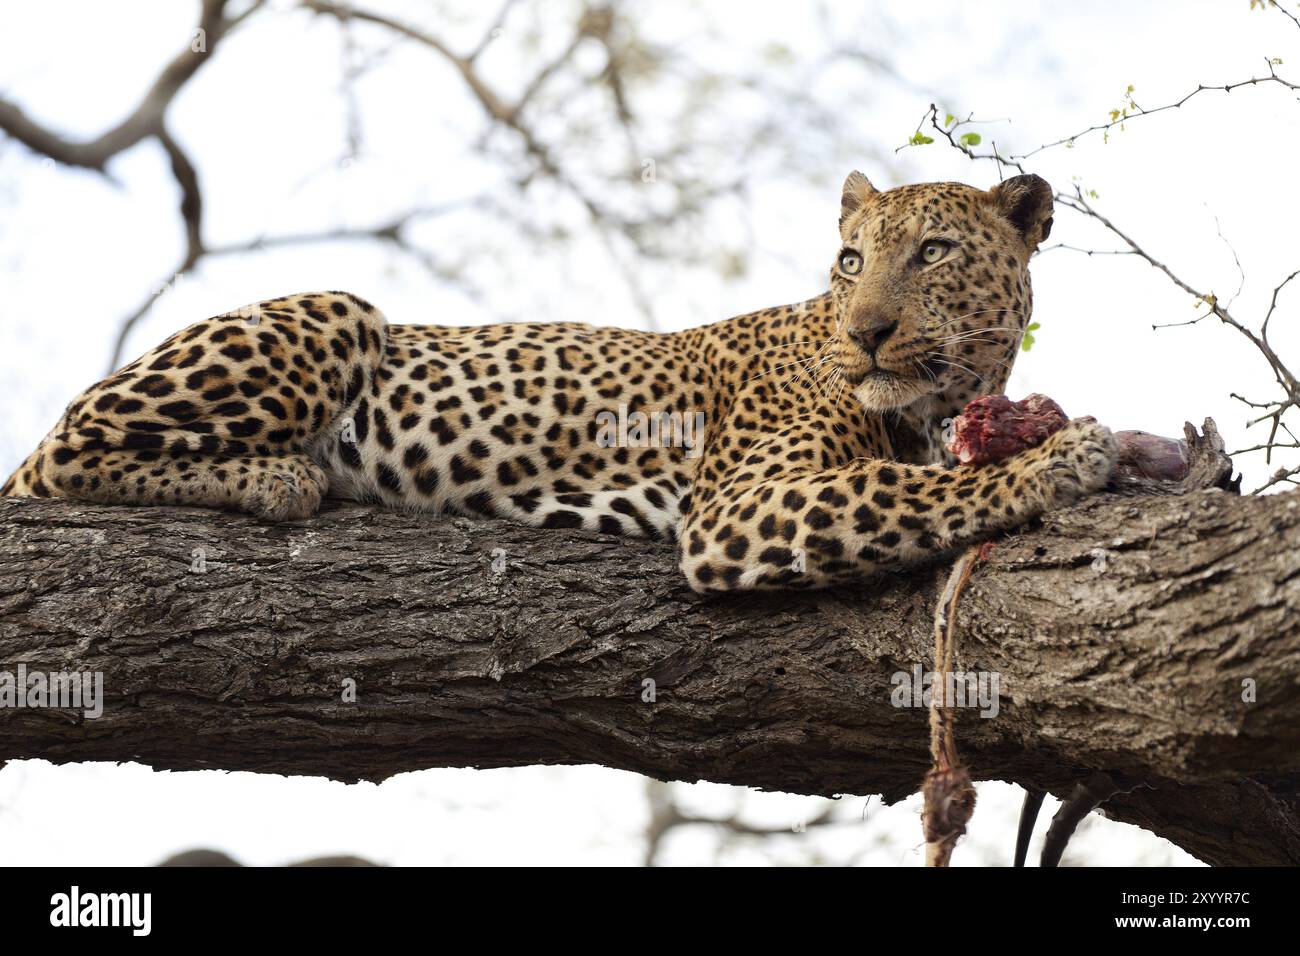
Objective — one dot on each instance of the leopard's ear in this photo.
(856, 190)
(1025, 202)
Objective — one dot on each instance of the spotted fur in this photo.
(820, 458)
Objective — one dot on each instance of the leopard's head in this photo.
(931, 287)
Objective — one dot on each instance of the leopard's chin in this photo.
(881, 390)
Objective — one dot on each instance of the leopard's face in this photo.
(931, 286)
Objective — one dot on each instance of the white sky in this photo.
(76, 254)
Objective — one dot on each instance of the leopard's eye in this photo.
(934, 250)
(850, 262)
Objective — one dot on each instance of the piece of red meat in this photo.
(995, 428)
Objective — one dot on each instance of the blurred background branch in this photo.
(568, 134)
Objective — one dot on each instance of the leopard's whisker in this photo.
(809, 367)
(967, 315)
(920, 363)
(777, 368)
(971, 340)
(968, 333)
(963, 368)
(938, 353)
(773, 348)
(812, 371)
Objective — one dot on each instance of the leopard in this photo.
(800, 446)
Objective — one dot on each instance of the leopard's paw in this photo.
(1076, 461)
(286, 495)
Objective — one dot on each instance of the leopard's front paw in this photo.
(1076, 461)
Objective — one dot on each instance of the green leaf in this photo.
(920, 139)
(1027, 342)
(948, 120)
(970, 139)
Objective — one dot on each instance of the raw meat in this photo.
(994, 428)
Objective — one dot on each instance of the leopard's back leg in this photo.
(223, 414)
(274, 487)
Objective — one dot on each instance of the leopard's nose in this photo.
(872, 333)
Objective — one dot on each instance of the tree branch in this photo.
(144, 121)
(1121, 630)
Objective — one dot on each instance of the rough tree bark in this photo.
(1122, 631)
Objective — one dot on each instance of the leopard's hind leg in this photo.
(221, 415)
(275, 487)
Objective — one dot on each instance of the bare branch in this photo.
(145, 120)
(493, 30)
(1119, 117)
